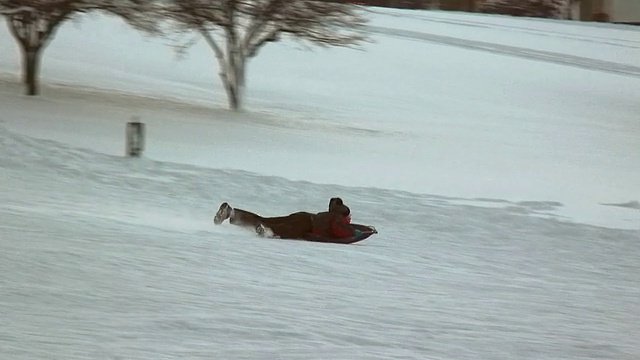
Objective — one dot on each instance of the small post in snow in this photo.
(135, 138)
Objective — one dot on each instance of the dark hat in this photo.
(334, 202)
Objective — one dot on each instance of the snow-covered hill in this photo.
(490, 175)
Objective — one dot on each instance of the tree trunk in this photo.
(234, 74)
(232, 92)
(230, 81)
(231, 61)
(238, 75)
(31, 69)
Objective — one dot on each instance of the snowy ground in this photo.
(488, 163)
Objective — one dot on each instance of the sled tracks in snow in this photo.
(548, 56)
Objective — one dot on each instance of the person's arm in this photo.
(341, 229)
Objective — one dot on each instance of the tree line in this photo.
(235, 30)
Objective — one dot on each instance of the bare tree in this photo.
(237, 29)
(34, 22)
(531, 8)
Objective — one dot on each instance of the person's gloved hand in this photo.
(357, 233)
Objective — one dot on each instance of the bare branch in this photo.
(212, 43)
(10, 11)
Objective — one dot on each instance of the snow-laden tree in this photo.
(237, 29)
(34, 22)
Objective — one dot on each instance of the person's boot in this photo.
(260, 230)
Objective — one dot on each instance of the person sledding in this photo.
(293, 226)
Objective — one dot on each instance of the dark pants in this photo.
(293, 226)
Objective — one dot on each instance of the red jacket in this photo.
(332, 224)
(340, 227)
